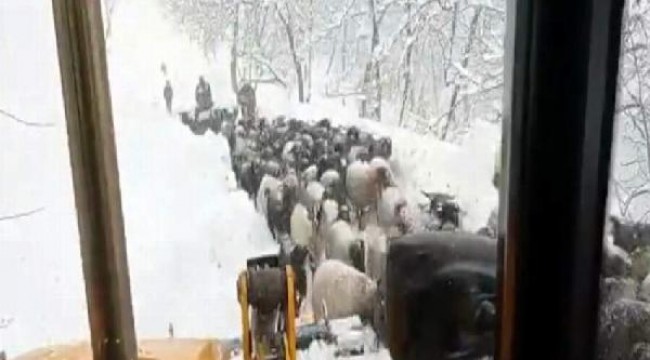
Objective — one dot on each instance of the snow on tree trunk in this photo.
(372, 78)
(286, 21)
(406, 67)
(451, 115)
(233, 52)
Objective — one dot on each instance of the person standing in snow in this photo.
(169, 95)
(203, 95)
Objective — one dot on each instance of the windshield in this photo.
(320, 132)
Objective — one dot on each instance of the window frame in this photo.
(550, 45)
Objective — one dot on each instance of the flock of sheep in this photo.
(624, 322)
(331, 201)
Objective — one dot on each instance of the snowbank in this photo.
(41, 286)
(189, 230)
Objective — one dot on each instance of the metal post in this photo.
(563, 65)
(82, 60)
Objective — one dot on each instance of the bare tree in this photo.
(372, 77)
(464, 62)
(287, 22)
(632, 165)
(437, 63)
(410, 41)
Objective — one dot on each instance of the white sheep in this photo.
(329, 213)
(391, 208)
(360, 184)
(270, 188)
(302, 230)
(376, 247)
(329, 178)
(310, 174)
(339, 240)
(312, 195)
(341, 291)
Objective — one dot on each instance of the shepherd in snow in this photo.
(203, 95)
(247, 101)
(169, 95)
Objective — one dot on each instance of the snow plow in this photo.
(159, 349)
(267, 296)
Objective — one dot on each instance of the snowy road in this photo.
(188, 230)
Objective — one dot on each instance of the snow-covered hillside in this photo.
(188, 229)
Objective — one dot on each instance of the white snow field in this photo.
(189, 231)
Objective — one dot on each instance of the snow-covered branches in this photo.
(632, 167)
(407, 60)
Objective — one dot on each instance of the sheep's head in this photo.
(356, 253)
(344, 213)
(300, 260)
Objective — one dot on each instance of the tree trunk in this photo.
(464, 62)
(407, 62)
(311, 49)
(372, 80)
(233, 52)
(454, 21)
(294, 54)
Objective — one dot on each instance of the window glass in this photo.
(320, 130)
(42, 299)
(625, 284)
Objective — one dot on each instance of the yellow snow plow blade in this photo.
(163, 349)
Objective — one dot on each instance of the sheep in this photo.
(391, 210)
(310, 174)
(298, 257)
(269, 187)
(616, 262)
(376, 247)
(342, 244)
(250, 177)
(341, 291)
(311, 196)
(328, 213)
(330, 178)
(301, 227)
(383, 173)
(358, 153)
(359, 184)
(275, 203)
(630, 236)
(382, 148)
(364, 184)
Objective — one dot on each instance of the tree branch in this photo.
(21, 214)
(24, 122)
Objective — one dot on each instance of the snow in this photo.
(189, 230)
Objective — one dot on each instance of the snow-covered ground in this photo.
(188, 229)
